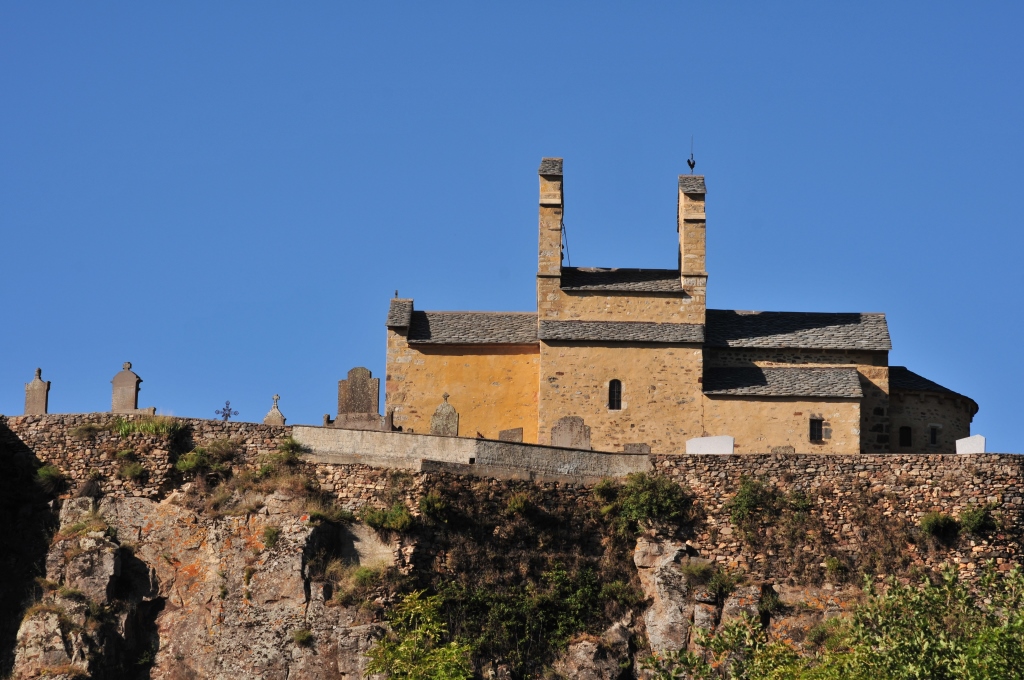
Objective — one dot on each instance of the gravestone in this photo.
(37, 395)
(513, 435)
(358, 397)
(274, 416)
(975, 444)
(445, 419)
(636, 448)
(126, 392)
(571, 432)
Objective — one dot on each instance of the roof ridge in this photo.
(779, 311)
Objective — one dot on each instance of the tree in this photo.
(416, 647)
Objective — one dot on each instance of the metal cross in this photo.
(226, 412)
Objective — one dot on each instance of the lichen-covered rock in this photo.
(664, 584)
(744, 600)
(596, 658)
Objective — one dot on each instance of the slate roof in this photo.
(692, 184)
(632, 280)
(840, 383)
(550, 166)
(471, 328)
(797, 330)
(622, 331)
(399, 313)
(902, 378)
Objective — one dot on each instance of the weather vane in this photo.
(691, 162)
(226, 412)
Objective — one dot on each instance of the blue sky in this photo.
(227, 194)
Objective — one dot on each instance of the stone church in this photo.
(639, 358)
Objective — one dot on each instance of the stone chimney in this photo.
(549, 260)
(691, 224)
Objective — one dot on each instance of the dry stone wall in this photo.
(862, 509)
(86, 445)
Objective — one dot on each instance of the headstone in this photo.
(636, 448)
(274, 417)
(357, 403)
(359, 393)
(712, 445)
(445, 419)
(126, 392)
(37, 395)
(513, 435)
(571, 433)
(975, 444)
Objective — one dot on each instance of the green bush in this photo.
(321, 511)
(132, 471)
(433, 506)
(125, 455)
(697, 571)
(51, 479)
(940, 526)
(395, 518)
(977, 520)
(271, 534)
(418, 646)
(752, 504)
(302, 637)
(159, 425)
(518, 504)
(645, 500)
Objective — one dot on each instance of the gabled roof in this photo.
(836, 383)
(399, 313)
(622, 331)
(631, 280)
(797, 330)
(469, 328)
(901, 378)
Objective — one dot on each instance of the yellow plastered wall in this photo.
(493, 387)
(660, 393)
(759, 425)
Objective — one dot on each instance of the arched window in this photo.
(615, 395)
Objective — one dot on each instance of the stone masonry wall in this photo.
(60, 440)
(854, 502)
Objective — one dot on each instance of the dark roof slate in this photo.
(622, 331)
(842, 383)
(470, 328)
(692, 184)
(631, 280)
(902, 378)
(797, 330)
(550, 166)
(399, 313)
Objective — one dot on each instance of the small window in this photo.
(615, 395)
(817, 429)
(933, 436)
(906, 436)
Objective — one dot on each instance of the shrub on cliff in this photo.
(941, 527)
(159, 425)
(936, 630)
(644, 501)
(396, 518)
(977, 520)
(51, 479)
(418, 646)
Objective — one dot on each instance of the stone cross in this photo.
(571, 433)
(126, 390)
(445, 419)
(274, 416)
(37, 395)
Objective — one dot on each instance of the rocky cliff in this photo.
(247, 562)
